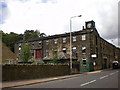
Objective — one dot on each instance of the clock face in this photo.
(89, 25)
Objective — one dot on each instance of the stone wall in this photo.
(22, 72)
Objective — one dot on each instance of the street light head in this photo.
(79, 15)
(76, 16)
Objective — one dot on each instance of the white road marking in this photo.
(88, 83)
(100, 78)
(104, 77)
(113, 73)
(55, 78)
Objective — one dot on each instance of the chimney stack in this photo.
(83, 28)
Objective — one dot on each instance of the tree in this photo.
(11, 38)
(25, 53)
(29, 34)
(55, 58)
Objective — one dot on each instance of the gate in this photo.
(76, 68)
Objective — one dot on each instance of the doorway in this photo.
(38, 54)
(105, 64)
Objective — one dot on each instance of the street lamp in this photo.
(71, 40)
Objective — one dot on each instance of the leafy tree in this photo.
(55, 58)
(25, 53)
(29, 34)
(11, 38)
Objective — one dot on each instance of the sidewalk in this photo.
(34, 81)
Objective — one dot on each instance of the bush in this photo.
(25, 53)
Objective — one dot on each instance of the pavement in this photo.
(35, 81)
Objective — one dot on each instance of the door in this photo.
(105, 64)
(38, 54)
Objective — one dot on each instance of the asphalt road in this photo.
(105, 79)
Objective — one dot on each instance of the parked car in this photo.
(115, 64)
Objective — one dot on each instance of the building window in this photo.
(83, 37)
(64, 50)
(64, 40)
(74, 38)
(32, 52)
(19, 48)
(40, 43)
(47, 52)
(33, 43)
(84, 61)
(83, 50)
(76, 54)
(47, 42)
(55, 41)
(20, 45)
(74, 49)
(10, 62)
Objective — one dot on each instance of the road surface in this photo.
(105, 79)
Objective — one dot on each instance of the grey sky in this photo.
(53, 16)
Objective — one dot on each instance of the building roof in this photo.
(7, 54)
(80, 32)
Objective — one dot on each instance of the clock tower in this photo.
(90, 24)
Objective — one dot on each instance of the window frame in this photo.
(33, 43)
(83, 37)
(55, 41)
(74, 38)
(84, 59)
(83, 48)
(47, 42)
(74, 49)
(64, 40)
(64, 49)
(40, 43)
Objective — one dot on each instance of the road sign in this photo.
(93, 55)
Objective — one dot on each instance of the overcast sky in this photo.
(53, 16)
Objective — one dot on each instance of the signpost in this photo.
(94, 55)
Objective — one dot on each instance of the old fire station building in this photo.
(88, 48)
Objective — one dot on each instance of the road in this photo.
(105, 79)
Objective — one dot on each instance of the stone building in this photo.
(88, 48)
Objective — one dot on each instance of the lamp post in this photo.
(71, 41)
